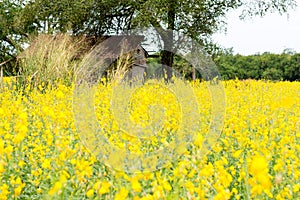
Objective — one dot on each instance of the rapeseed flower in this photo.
(257, 156)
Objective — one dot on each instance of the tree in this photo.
(198, 19)
(8, 43)
(267, 66)
(292, 71)
(15, 27)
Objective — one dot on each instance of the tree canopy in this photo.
(284, 66)
(198, 19)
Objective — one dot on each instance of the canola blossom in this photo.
(256, 156)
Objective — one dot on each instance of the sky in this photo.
(272, 33)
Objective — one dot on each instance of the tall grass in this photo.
(50, 59)
(120, 68)
(59, 58)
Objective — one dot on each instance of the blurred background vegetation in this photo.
(284, 66)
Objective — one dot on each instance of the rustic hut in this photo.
(110, 48)
(119, 45)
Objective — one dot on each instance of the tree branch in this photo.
(3, 63)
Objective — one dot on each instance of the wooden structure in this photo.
(112, 48)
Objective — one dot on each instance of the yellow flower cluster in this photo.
(256, 157)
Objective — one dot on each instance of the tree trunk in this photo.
(167, 55)
(194, 72)
(167, 62)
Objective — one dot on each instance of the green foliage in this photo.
(15, 26)
(285, 66)
(198, 19)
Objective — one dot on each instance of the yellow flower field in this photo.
(256, 157)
